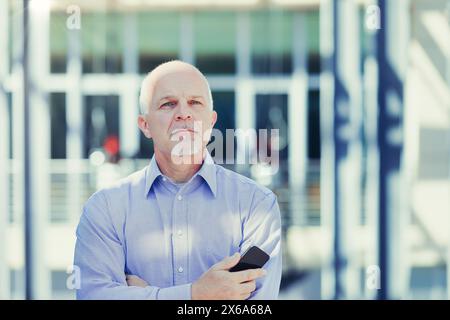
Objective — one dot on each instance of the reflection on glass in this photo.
(102, 42)
(215, 42)
(158, 38)
(271, 47)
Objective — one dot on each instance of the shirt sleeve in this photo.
(262, 228)
(100, 259)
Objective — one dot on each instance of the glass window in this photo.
(314, 124)
(366, 45)
(102, 42)
(145, 147)
(434, 160)
(158, 39)
(428, 282)
(58, 42)
(12, 12)
(101, 121)
(312, 25)
(271, 37)
(10, 134)
(224, 105)
(58, 125)
(59, 286)
(17, 283)
(215, 42)
(59, 196)
(58, 180)
(272, 113)
(11, 177)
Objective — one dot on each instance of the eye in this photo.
(168, 104)
(195, 102)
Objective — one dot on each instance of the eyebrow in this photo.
(173, 97)
(166, 97)
(196, 97)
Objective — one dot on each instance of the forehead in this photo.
(180, 83)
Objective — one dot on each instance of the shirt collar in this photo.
(207, 172)
(152, 173)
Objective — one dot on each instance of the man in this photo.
(173, 229)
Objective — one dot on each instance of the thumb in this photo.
(228, 262)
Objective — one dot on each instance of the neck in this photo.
(179, 168)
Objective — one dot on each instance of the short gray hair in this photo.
(144, 95)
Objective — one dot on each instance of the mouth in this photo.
(181, 131)
(182, 134)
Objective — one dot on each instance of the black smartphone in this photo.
(253, 258)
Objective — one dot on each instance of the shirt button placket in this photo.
(180, 245)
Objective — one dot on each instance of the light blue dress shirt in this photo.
(169, 235)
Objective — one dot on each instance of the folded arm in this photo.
(100, 257)
(262, 228)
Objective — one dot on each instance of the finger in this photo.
(248, 275)
(228, 262)
(245, 296)
(133, 280)
(248, 287)
(130, 280)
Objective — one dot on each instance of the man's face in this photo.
(179, 113)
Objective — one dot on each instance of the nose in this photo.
(183, 112)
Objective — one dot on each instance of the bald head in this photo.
(164, 69)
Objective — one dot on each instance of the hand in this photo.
(135, 281)
(219, 283)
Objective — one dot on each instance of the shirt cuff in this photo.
(182, 292)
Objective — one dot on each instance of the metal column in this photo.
(36, 146)
(347, 142)
(298, 127)
(4, 151)
(391, 41)
(74, 120)
(29, 252)
(129, 101)
(341, 157)
(327, 144)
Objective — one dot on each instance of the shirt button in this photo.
(180, 233)
(179, 197)
(164, 179)
(180, 269)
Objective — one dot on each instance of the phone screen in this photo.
(253, 258)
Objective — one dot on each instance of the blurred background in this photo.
(360, 91)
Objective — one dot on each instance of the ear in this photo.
(214, 118)
(144, 126)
